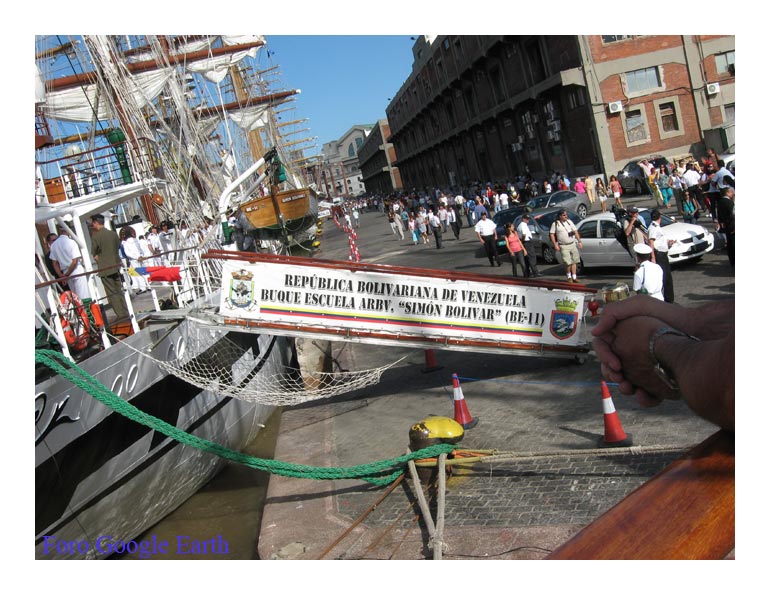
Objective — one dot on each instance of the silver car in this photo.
(565, 199)
(601, 247)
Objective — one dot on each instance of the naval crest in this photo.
(241, 290)
(564, 319)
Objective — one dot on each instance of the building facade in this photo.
(340, 174)
(376, 161)
(670, 95)
(489, 108)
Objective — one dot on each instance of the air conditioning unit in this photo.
(521, 139)
(713, 88)
(516, 146)
(549, 135)
(556, 136)
(556, 125)
(614, 107)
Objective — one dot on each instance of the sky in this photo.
(344, 80)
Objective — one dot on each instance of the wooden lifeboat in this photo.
(296, 206)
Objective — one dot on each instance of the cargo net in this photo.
(256, 368)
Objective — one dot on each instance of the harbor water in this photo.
(223, 517)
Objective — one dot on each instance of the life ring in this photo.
(74, 319)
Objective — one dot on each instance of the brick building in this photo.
(488, 108)
(664, 94)
(376, 159)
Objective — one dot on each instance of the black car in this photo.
(507, 216)
(633, 179)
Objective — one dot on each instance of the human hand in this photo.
(625, 360)
(713, 321)
(639, 305)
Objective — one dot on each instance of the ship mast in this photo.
(253, 136)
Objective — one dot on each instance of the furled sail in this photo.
(78, 104)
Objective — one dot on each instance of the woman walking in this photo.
(664, 182)
(413, 228)
(517, 252)
(422, 228)
(602, 194)
(615, 188)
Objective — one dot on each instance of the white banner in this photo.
(408, 306)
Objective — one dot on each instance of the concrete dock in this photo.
(541, 412)
(545, 414)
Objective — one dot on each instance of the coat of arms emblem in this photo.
(564, 320)
(241, 291)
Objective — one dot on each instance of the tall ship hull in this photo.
(99, 474)
(122, 136)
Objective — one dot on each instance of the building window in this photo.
(535, 59)
(668, 117)
(635, 127)
(728, 109)
(468, 102)
(446, 44)
(351, 150)
(615, 38)
(440, 70)
(576, 98)
(450, 115)
(359, 142)
(724, 63)
(645, 79)
(497, 82)
(458, 48)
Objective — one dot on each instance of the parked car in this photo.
(565, 199)
(633, 179)
(507, 216)
(728, 159)
(540, 222)
(601, 247)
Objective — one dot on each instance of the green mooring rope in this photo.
(380, 473)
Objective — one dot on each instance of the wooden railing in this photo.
(687, 511)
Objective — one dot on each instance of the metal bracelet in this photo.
(663, 373)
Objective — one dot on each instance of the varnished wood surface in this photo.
(685, 512)
(294, 204)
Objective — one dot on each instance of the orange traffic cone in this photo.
(614, 433)
(462, 415)
(431, 363)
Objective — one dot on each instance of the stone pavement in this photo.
(517, 509)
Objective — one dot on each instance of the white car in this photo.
(601, 247)
(728, 158)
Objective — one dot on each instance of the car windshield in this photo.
(646, 217)
(509, 215)
(539, 202)
(547, 219)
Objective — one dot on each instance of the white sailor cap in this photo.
(642, 249)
